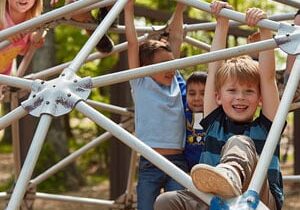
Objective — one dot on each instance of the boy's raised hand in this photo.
(217, 6)
(254, 15)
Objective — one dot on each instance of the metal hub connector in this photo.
(288, 38)
(58, 96)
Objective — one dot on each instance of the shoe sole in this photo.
(207, 180)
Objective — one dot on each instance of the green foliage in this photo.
(162, 5)
(5, 148)
(57, 182)
(7, 186)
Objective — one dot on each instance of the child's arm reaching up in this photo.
(219, 42)
(133, 45)
(175, 28)
(268, 87)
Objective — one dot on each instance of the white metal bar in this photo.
(30, 162)
(197, 43)
(136, 144)
(44, 18)
(291, 178)
(101, 4)
(58, 69)
(276, 129)
(4, 44)
(234, 15)
(292, 3)
(187, 27)
(94, 38)
(15, 82)
(232, 23)
(182, 63)
(65, 198)
(70, 158)
(12, 116)
(3, 195)
(111, 108)
(150, 154)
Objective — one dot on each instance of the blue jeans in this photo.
(151, 180)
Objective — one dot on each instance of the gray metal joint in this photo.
(288, 38)
(58, 96)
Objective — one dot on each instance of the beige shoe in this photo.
(222, 180)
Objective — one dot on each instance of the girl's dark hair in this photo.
(196, 77)
(297, 13)
(148, 49)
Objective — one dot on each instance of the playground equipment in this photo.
(56, 97)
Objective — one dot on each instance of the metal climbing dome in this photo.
(68, 91)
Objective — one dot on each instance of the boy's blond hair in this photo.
(242, 69)
(36, 10)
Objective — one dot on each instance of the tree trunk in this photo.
(296, 142)
(119, 153)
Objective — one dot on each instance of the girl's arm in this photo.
(219, 42)
(133, 45)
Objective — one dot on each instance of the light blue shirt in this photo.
(159, 113)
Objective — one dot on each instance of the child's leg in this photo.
(232, 176)
(178, 200)
(240, 153)
(180, 162)
(150, 181)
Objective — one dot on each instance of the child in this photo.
(289, 66)
(232, 138)
(13, 12)
(159, 112)
(195, 85)
(105, 45)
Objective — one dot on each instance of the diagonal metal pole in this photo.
(45, 18)
(30, 162)
(277, 126)
(12, 116)
(233, 15)
(4, 44)
(81, 200)
(140, 147)
(111, 108)
(59, 68)
(197, 43)
(33, 26)
(292, 3)
(136, 144)
(15, 82)
(181, 63)
(232, 23)
(70, 158)
(94, 39)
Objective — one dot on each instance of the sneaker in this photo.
(218, 180)
(106, 44)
